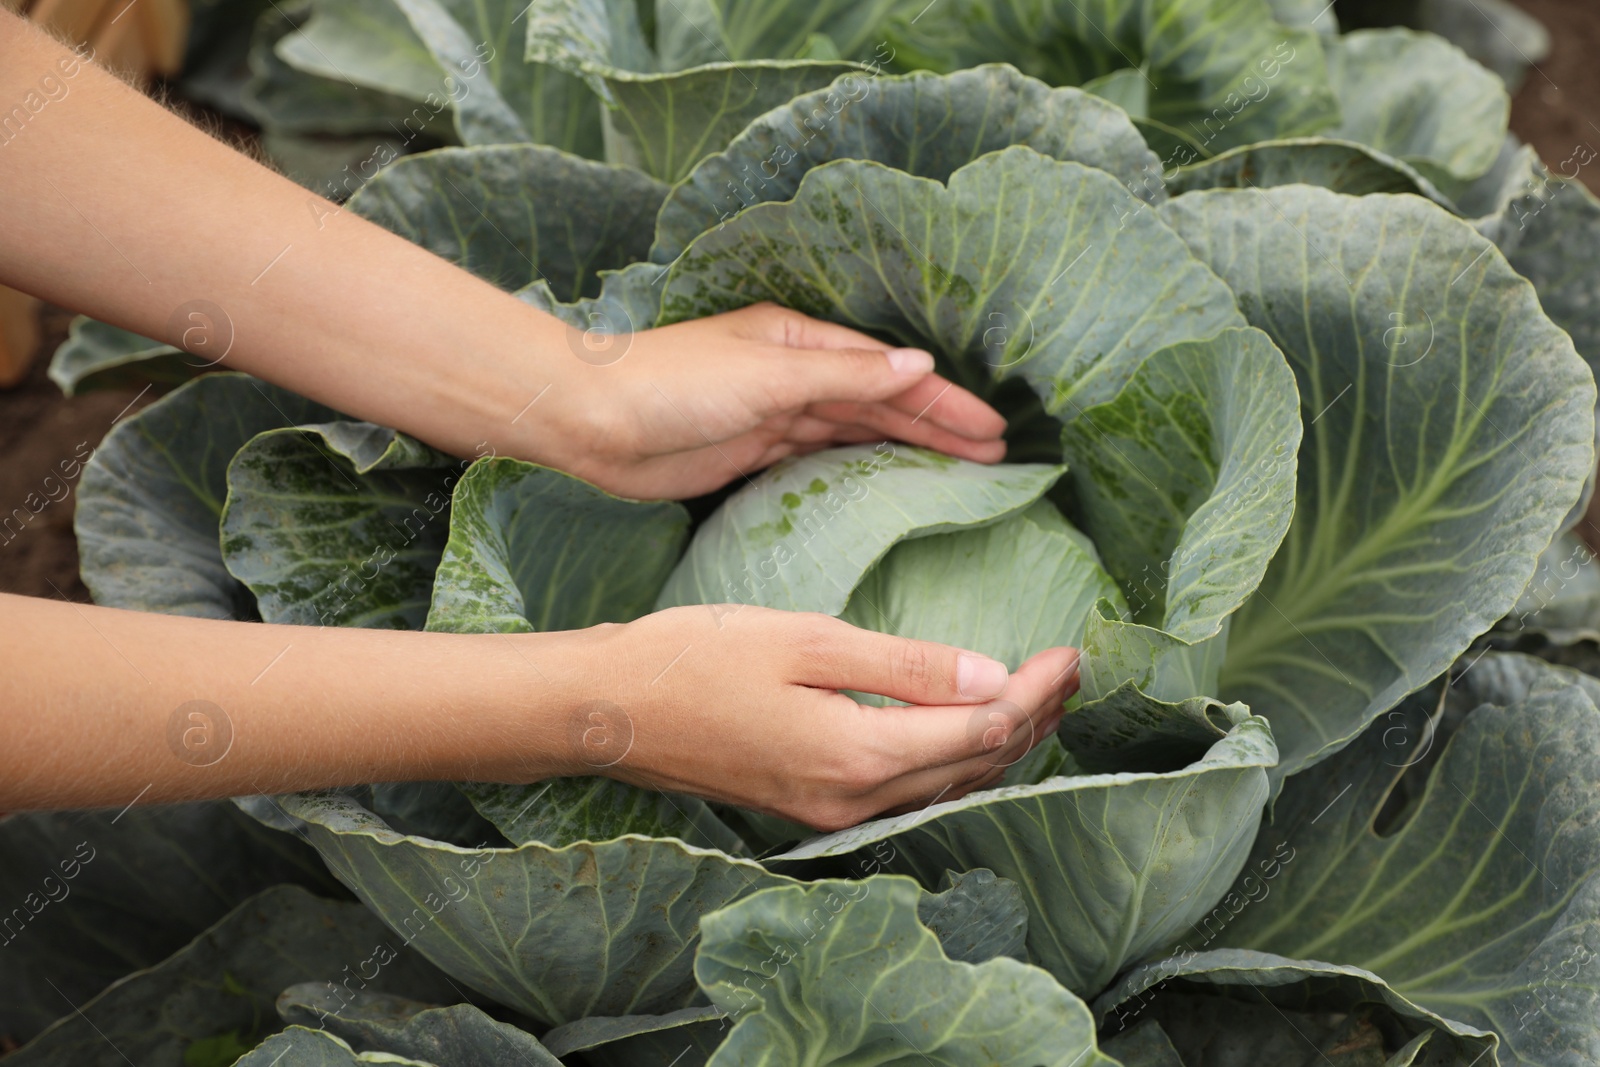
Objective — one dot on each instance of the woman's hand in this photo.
(741, 704)
(685, 409)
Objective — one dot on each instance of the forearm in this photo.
(102, 706)
(117, 208)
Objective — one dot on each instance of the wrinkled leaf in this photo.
(923, 124)
(337, 524)
(861, 975)
(96, 355)
(1021, 264)
(300, 1047)
(1341, 166)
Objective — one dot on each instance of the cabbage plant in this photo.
(1291, 340)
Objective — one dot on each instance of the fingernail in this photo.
(909, 360)
(979, 677)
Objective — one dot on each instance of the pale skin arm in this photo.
(115, 207)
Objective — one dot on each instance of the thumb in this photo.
(828, 375)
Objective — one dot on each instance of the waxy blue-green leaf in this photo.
(1145, 1045)
(1562, 602)
(1419, 98)
(1127, 731)
(218, 991)
(801, 535)
(840, 972)
(710, 69)
(1496, 33)
(338, 524)
(1483, 904)
(96, 355)
(595, 928)
(1291, 987)
(1342, 166)
(921, 123)
(533, 549)
(1306, 15)
(1020, 265)
(151, 499)
(684, 1038)
(457, 1036)
(1186, 478)
(629, 301)
(293, 101)
(562, 811)
(1008, 590)
(1449, 428)
(298, 1046)
(1547, 225)
(1112, 866)
(97, 894)
(1115, 652)
(1223, 72)
(517, 214)
(465, 56)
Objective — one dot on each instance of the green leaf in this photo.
(1306, 15)
(1008, 590)
(860, 976)
(465, 55)
(533, 549)
(1483, 904)
(563, 811)
(95, 895)
(225, 981)
(516, 214)
(1112, 867)
(458, 1036)
(802, 534)
(1021, 264)
(337, 524)
(1186, 478)
(300, 1047)
(291, 100)
(1342, 166)
(1420, 98)
(976, 916)
(1127, 731)
(629, 301)
(685, 1038)
(1547, 227)
(96, 355)
(923, 124)
(1221, 71)
(1449, 428)
(561, 934)
(1562, 602)
(1146, 1045)
(151, 499)
(1294, 987)
(1496, 33)
(1115, 652)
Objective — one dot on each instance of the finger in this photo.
(940, 401)
(880, 423)
(997, 732)
(841, 656)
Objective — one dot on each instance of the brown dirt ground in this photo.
(1557, 109)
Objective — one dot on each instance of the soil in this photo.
(1556, 109)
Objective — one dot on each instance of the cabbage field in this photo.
(1294, 341)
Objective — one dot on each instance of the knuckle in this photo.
(913, 668)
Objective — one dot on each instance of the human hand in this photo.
(698, 404)
(741, 704)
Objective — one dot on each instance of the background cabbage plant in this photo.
(1292, 340)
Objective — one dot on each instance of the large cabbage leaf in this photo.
(1448, 431)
